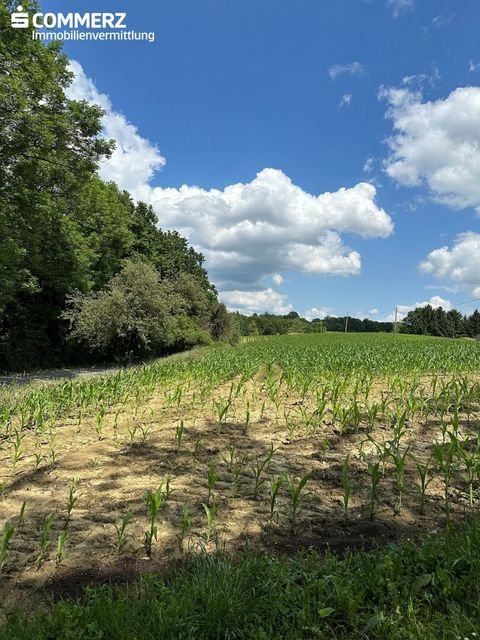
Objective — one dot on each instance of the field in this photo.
(275, 445)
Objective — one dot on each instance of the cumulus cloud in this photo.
(316, 312)
(134, 160)
(399, 6)
(458, 265)
(435, 302)
(436, 143)
(373, 312)
(251, 230)
(249, 302)
(352, 69)
(247, 231)
(277, 279)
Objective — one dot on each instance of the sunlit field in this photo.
(279, 444)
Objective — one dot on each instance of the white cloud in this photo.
(373, 312)
(437, 144)
(247, 231)
(134, 160)
(346, 100)
(252, 230)
(398, 6)
(435, 302)
(473, 66)
(352, 69)
(458, 265)
(277, 279)
(443, 19)
(316, 312)
(249, 302)
(369, 165)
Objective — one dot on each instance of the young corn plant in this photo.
(179, 431)
(424, 476)
(197, 451)
(61, 541)
(121, 536)
(45, 537)
(296, 496)
(155, 500)
(186, 526)
(275, 486)
(72, 499)
(259, 468)
(373, 469)
(8, 531)
(399, 462)
(347, 487)
(471, 462)
(212, 477)
(444, 455)
(235, 462)
(211, 512)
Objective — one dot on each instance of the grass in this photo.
(429, 591)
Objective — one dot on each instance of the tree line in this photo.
(429, 321)
(86, 274)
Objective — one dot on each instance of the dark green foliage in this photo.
(411, 591)
(428, 321)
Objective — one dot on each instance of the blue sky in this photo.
(361, 119)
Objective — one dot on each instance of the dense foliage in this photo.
(428, 321)
(62, 229)
(426, 591)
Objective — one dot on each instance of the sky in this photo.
(323, 155)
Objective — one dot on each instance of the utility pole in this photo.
(395, 322)
(346, 323)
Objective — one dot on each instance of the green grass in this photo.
(428, 591)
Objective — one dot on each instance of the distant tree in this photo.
(473, 324)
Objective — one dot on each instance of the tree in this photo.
(49, 146)
(135, 316)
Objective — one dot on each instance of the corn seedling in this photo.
(423, 471)
(121, 535)
(186, 525)
(399, 461)
(72, 499)
(373, 469)
(21, 515)
(179, 430)
(8, 531)
(444, 457)
(155, 501)
(211, 480)
(61, 540)
(347, 487)
(275, 487)
(295, 498)
(258, 470)
(211, 514)
(45, 539)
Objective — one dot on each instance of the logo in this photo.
(20, 20)
(96, 26)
